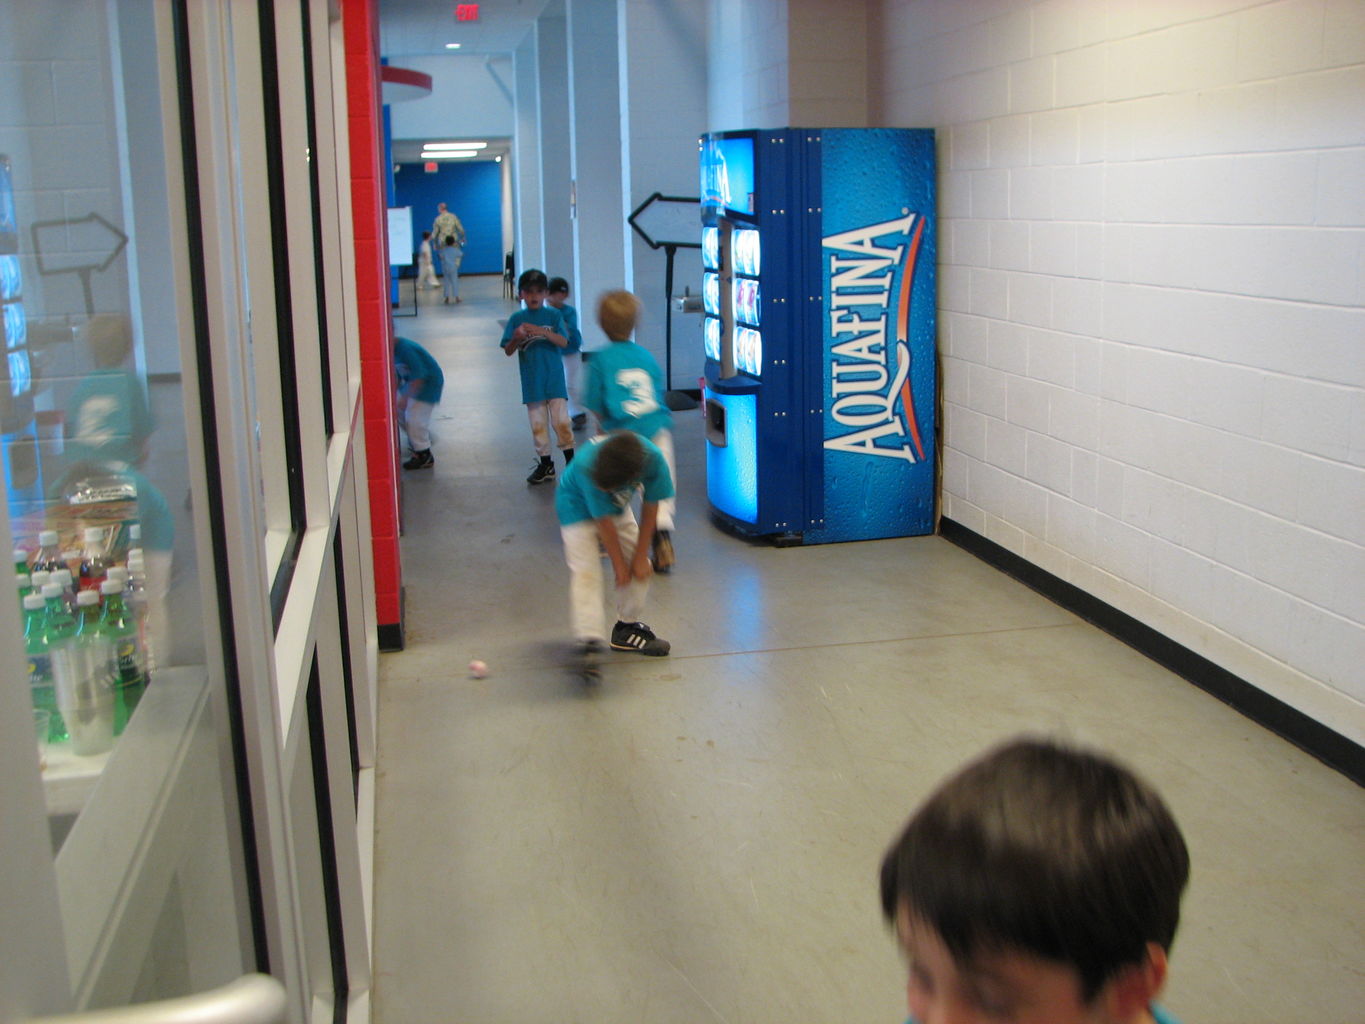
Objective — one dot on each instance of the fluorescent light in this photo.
(454, 145)
(446, 154)
(452, 46)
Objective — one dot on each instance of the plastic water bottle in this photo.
(95, 561)
(20, 557)
(49, 556)
(23, 586)
(40, 665)
(119, 627)
(84, 681)
(135, 598)
(63, 576)
(59, 629)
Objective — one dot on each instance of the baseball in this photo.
(478, 669)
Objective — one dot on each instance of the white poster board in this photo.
(400, 236)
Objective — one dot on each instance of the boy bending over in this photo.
(593, 504)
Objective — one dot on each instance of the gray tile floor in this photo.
(697, 839)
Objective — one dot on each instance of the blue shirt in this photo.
(578, 498)
(625, 388)
(571, 331)
(412, 362)
(542, 367)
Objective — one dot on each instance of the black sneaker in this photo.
(662, 554)
(420, 460)
(637, 637)
(580, 421)
(543, 471)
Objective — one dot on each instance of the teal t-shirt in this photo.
(571, 330)
(578, 498)
(412, 362)
(107, 419)
(625, 388)
(542, 367)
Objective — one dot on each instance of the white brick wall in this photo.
(1152, 299)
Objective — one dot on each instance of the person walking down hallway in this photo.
(450, 239)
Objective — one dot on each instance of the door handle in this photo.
(251, 999)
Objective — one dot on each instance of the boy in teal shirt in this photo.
(420, 383)
(1041, 884)
(594, 507)
(558, 297)
(625, 391)
(535, 335)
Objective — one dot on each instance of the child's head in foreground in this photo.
(1040, 883)
(617, 313)
(620, 461)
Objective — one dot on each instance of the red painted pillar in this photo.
(360, 23)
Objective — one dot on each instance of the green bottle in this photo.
(40, 665)
(59, 628)
(120, 628)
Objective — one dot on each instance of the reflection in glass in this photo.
(98, 487)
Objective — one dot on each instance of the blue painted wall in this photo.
(473, 191)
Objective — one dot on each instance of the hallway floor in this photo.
(697, 838)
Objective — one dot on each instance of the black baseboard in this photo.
(392, 636)
(1330, 747)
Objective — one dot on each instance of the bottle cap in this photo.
(94, 534)
(33, 602)
(40, 578)
(51, 590)
(134, 552)
(119, 573)
(86, 598)
(61, 576)
(47, 538)
(21, 579)
(135, 531)
(20, 554)
(111, 586)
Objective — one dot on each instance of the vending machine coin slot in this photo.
(715, 423)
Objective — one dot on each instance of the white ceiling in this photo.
(423, 27)
(409, 28)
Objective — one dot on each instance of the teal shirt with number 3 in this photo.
(625, 388)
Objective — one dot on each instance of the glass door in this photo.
(128, 871)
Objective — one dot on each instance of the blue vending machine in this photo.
(818, 248)
(18, 431)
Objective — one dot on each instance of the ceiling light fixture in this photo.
(446, 154)
(454, 145)
(452, 46)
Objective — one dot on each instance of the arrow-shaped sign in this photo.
(71, 246)
(673, 221)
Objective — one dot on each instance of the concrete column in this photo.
(556, 158)
(530, 238)
(597, 117)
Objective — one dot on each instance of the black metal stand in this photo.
(662, 205)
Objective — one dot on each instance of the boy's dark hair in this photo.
(620, 461)
(1043, 849)
(532, 279)
(557, 285)
(450, 240)
(426, 234)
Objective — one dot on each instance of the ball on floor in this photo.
(478, 669)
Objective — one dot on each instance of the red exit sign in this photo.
(466, 12)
